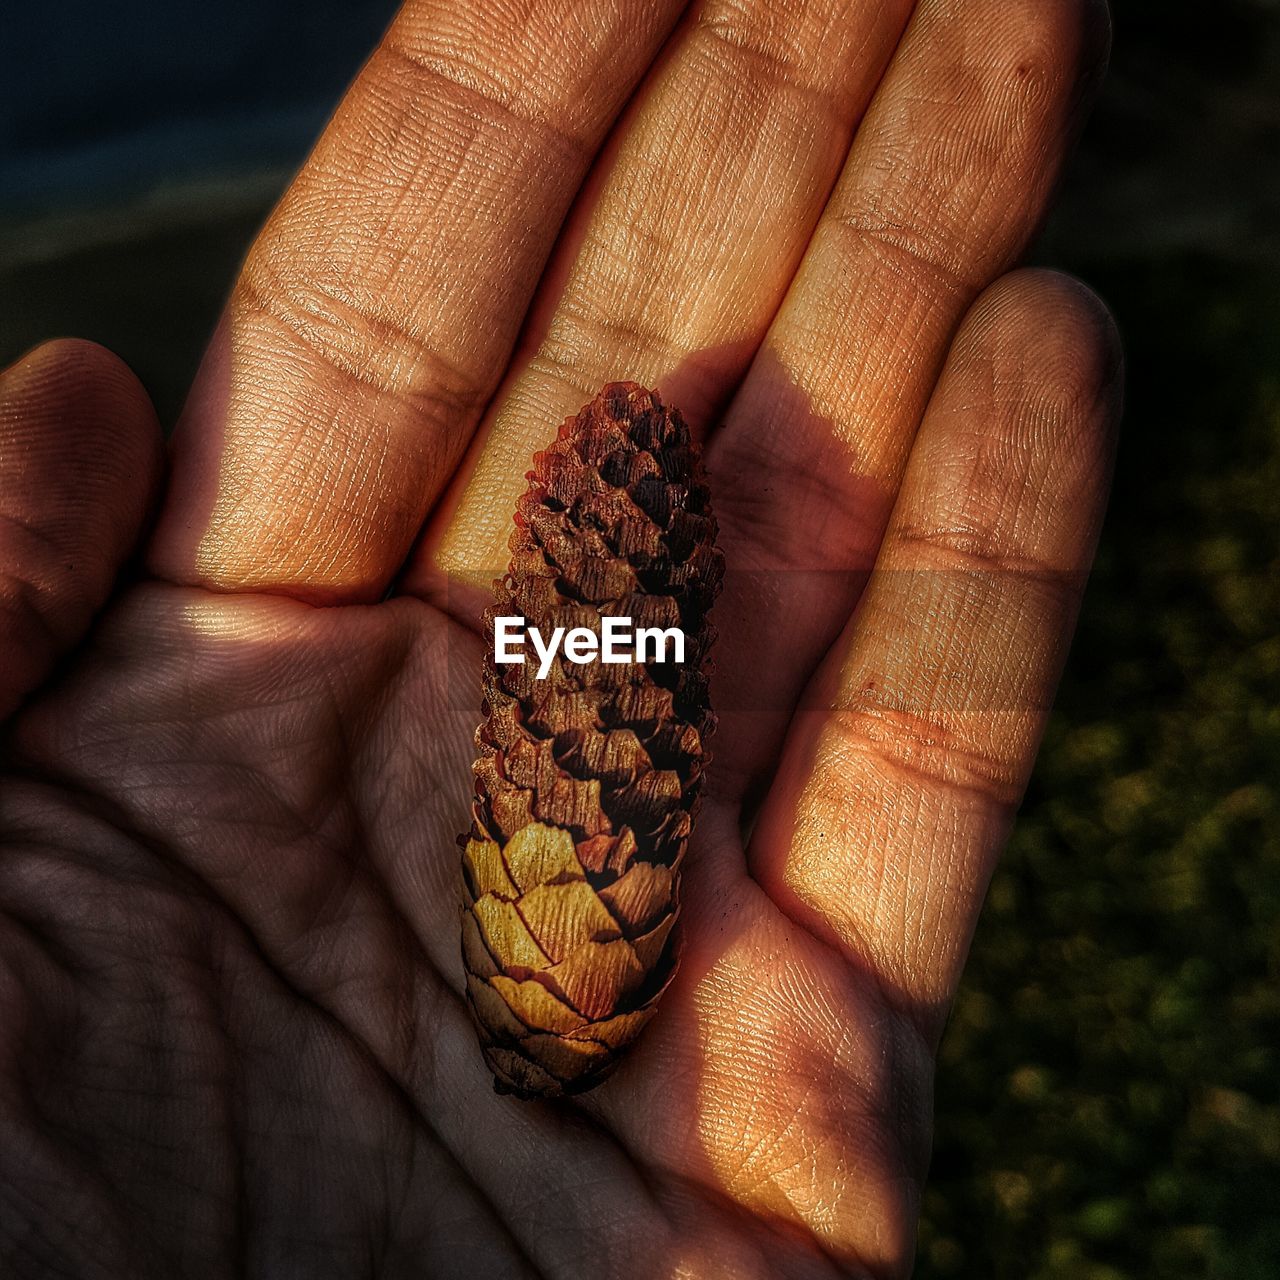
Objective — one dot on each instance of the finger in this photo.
(80, 458)
(891, 805)
(377, 309)
(677, 264)
(946, 183)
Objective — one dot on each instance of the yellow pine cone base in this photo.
(560, 975)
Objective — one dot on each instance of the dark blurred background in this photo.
(1108, 1101)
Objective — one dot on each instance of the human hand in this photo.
(233, 1034)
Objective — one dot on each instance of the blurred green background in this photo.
(1108, 1092)
(1109, 1087)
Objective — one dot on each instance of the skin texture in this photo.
(231, 1034)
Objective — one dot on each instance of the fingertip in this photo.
(73, 397)
(1013, 461)
(87, 364)
(1061, 299)
(1052, 343)
(1056, 41)
(80, 464)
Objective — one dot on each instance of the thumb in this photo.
(80, 462)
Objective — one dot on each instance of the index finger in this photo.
(377, 310)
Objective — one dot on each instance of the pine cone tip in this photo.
(587, 781)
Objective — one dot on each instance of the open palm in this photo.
(232, 1040)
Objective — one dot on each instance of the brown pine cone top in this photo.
(587, 781)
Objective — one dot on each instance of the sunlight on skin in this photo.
(907, 787)
(225, 618)
(310, 763)
(376, 312)
(775, 1084)
(236, 817)
(759, 114)
(338, 444)
(780, 1120)
(792, 1114)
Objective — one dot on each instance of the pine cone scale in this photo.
(587, 781)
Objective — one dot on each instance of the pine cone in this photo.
(587, 781)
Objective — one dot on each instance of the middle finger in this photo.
(682, 247)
